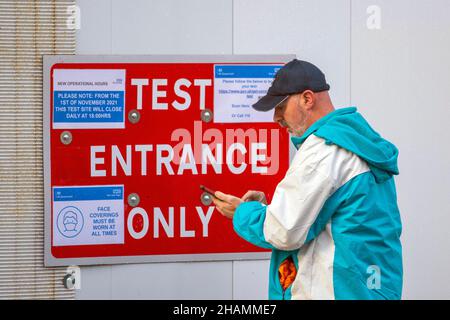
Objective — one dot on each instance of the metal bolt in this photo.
(134, 116)
(66, 137)
(69, 281)
(133, 199)
(206, 115)
(206, 198)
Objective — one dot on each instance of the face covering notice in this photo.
(88, 215)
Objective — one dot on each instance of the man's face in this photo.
(291, 114)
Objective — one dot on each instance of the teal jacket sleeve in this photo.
(248, 222)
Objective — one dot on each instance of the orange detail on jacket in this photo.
(287, 272)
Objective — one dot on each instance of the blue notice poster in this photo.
(88, 98)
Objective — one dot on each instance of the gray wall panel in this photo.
(400, 83)
(251, 280)
(184, 280)
(95, 34)
(171, 26)
(96, 283)
(316, 31)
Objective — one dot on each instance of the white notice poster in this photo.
(88, 215)
(237, 87)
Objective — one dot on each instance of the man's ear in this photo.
(308, 99)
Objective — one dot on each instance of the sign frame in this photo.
(48, 62)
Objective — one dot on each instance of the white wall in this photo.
(397, 76)
(400, 80)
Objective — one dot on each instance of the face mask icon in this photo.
(70, 221)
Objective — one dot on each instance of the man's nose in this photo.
(278, 117)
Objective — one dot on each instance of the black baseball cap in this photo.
(294, 77)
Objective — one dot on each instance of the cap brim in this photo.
(268, 102)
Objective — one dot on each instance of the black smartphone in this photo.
(210, 191)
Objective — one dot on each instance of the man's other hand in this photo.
(226, 204)
(255, 196)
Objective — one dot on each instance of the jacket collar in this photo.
(297, 141)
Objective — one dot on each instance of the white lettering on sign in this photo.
(255, 156)
(187, 160)
(144, 148)
(183, 232)
(139, 83)
(240, 147)
(165, 159)
(95, 161)
(215, 161)
(117, 156)
(160, 219)
(205, 218)
(159, 88)
(156, 93)
(182, 94)
(137, 234)
(160, 159)
(165, 227)
(193, 152)
(202, 83)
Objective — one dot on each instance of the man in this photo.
(333, 224)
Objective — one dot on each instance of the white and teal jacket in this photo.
(335, 212)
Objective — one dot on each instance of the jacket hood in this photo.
(348, 129)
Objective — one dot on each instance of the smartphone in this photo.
(210, 191)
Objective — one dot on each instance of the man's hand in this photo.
(226, 204)
(255, 196)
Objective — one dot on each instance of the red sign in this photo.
(129, 144)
